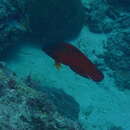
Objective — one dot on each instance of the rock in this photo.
(123, 22)
(120, 4)
(117, 56)
(22, 107)
(57, 20)
(102, 17)
(11, 22)
(96, 17)
(48, 20)
(117, 50)
(66, 102)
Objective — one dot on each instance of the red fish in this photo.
(69, 55)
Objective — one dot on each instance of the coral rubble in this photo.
(23, 107)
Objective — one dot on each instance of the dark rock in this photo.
(123, 21)
(48, 20)
(57, 20)
(124, 4)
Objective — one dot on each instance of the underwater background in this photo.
(36, 94)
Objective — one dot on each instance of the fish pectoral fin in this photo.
(57, 65)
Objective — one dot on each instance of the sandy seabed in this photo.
(102, 104)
